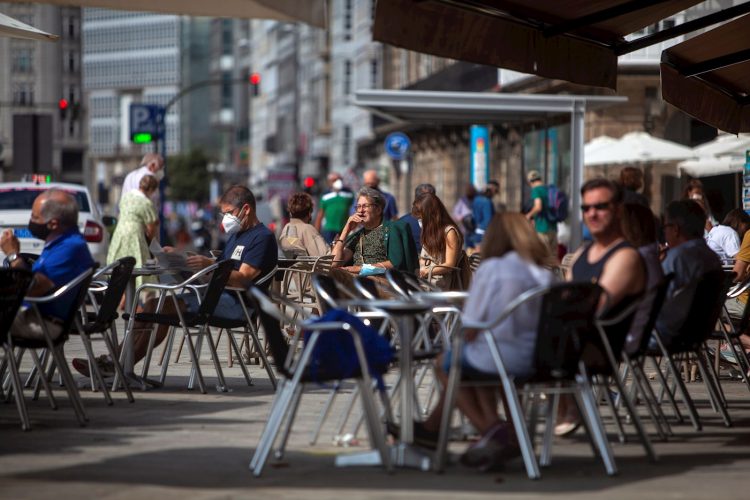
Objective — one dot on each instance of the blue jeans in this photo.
(229, 306)
(468, 372)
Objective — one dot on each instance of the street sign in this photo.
(480, 155)
(146, 123)
(397, 145)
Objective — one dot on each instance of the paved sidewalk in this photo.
(175, 443)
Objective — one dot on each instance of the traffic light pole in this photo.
(160, 146)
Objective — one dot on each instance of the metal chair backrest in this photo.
(657, 297)
(13, 286)
(270, 319)
(327, 292)
(474, 260)
(215, 287)
(708, 299)
(566, 318)
(118, 282)
(80, 297)
(400, 285)
(366, 287)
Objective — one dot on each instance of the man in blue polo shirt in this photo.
(54, 219)
(252, 248)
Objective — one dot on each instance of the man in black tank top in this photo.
(609, 261)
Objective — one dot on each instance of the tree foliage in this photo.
(188, 176)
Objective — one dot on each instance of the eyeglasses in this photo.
(596, 206)
(363, 206)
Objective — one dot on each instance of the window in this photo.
(374, 76)
(23, 94)
(23, 60)
(346, 149)
(72, 61)
(347, 77)
(226, 90)
(347, 20)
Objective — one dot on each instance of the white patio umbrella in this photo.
(597, 144)
(639, 147)
(724, 144)
(16, 29)
(312, 12)
(706, 166)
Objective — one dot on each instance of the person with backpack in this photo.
(545, 226)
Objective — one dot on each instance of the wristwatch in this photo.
(12, 258)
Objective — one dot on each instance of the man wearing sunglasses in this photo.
(611, 262)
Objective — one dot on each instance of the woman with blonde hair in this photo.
(514, 260)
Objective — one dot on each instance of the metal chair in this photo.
(705, 308)
(293, 371)
(566, 313)
(192, 324)
(13, 286)
(78, 286)
(96, 325)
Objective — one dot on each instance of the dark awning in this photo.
(708, 76)
(574, 40)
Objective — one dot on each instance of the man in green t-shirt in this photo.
(546, 229)
(333, 209)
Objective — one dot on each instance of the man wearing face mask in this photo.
(54, 219)
(151, 164)
(251, 247)
(333, 209)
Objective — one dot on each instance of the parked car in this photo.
(16, 199)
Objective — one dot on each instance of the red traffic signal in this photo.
(255, 79)
(63, 104)
(309, 182)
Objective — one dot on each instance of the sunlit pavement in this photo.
(175, 443)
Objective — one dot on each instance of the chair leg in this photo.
(194, 358)
(70, 387)
(635, 418)
(451, 392)
(522, 432)
(274, 405)
(665, 389)
(149, 352)
(591, 413)
(274, 423)
(545, 457)
(324, 413)
(95, 375)
(289, 420)
(17, 388)
(168, 346)
(347, 411)
(262, 353)
(649, 398)
(215, 358)
(375, 426)
(118, 367)
(44, 380)
(684, 394)
(233, 345)
(713, 392)
(604, 386)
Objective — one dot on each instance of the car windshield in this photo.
(23, 198)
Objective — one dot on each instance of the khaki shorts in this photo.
(26, 325)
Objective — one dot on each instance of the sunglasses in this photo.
(596, 206)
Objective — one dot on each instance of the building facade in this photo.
(36, 76)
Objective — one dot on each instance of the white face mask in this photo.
(231, 223)
(159, 174)
(338, 185)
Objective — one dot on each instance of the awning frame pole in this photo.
(577, 116)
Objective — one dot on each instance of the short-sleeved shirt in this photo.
(724, 241)
(541, 223)
(744, 256)
(689, 262)
(368, 246)
(62, 259)
(256, 247)
(335, 206)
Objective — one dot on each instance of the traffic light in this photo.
(62, 106)
(309, 182)
(255, 82)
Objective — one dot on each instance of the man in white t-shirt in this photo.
(724, 241)
(151, 164)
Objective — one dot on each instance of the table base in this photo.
(402, 455)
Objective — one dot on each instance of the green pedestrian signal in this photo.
(143, 138)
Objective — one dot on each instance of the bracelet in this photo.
(336, 241)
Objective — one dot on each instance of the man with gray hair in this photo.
(414, 224)
(151, 164)
(54, 219)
